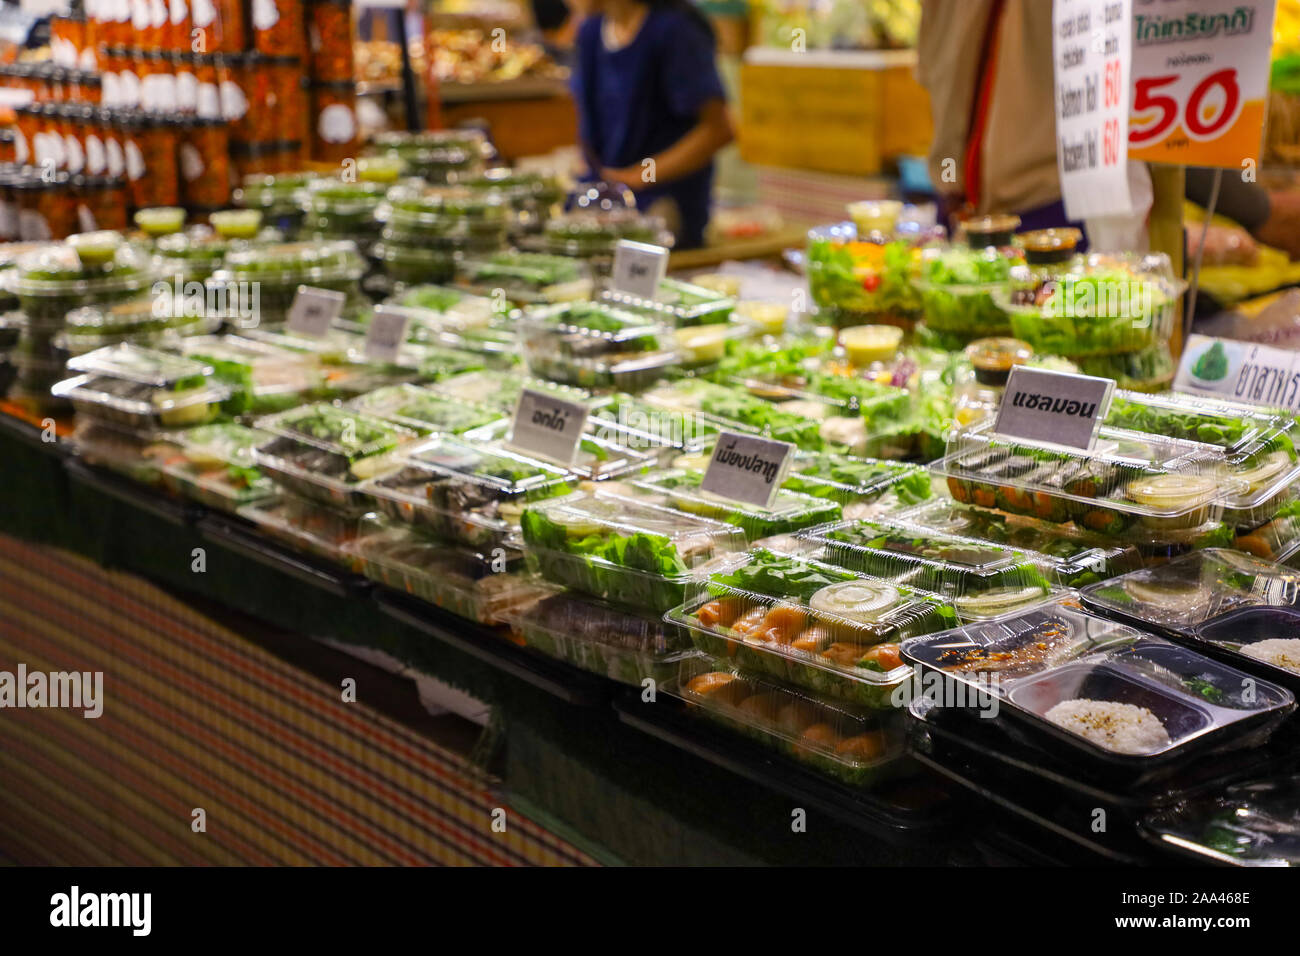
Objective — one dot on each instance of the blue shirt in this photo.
(637, 101)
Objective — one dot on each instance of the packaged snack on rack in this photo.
(424, 411)
(980, 579)
(215, 467)
(860, 747)
(323, 452)
(265, 377)
(142, 388)
(468, 494)
(1127, 481)
(676, 303)
(307, 526)
(624, 645)
(623, 550)
(811, 624)
(590, 345)
(790, 511)
(1122, 701)
(485, 587)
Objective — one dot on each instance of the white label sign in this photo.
(547, 426)
(747, 468)
(387, 333)
(1092, 46)
(1240, 372)
(314, 310)
(1056, 407)
(639, 268)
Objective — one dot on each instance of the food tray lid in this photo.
(641, 425)
(420, 205)
(423, 410)
(980, 579)
(539, 270)
(1040, 659)
(500, 388)
(681, 487)
(1125, 471)
(329, 194)
(853, 737)
(345, 432)
(732, 409)
(599, 456)
(321, 529)
(287, 263)
(1192, 589)
(1135, 276)
(223, 443)
(591, 320)
(135, 363)
(57, 270)
(133, 398)
(962, 270)
(675, 301)
(848, 478)
(489, 467)
(445, 309)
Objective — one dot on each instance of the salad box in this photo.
(811, 624)
(636, 424)
(530, 278)
(215, 467)
(957, 286)
(586, 236)
(855, 280)
(589, 345)
(623, 550)
(736, 411)
(323, 452)
(470, 494)
(264, 377)
(143, 388)
(789, 512)
(424, 411)
(676, 303)
(277, 269)
(139, 456)
(863, 486)
(1125, 702)
(501, 389)
(599, 456)
(306, 527)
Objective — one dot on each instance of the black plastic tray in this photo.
(896, 821)
(570, 684)
(244, 540)
(155, 502)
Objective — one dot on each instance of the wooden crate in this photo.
(835, 112)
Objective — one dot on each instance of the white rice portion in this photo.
(1123, 728)
(1279, 651)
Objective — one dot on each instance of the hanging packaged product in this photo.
(151, 161)
(334, 121)
(204, 161)
(329, 34)
(211, 73)
(278, 27)
(176, 35)
(253, 159)
(187, 83)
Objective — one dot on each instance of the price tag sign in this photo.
(548, 427)
(1240, 372)
(1056, 407)
(1200, 80)
(1091, 47)
(639, 268)
(386, 333)
(747, 468)
(314, 310)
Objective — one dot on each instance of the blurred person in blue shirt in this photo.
(647, 88)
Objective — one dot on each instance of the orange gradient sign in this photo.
(1200, 81)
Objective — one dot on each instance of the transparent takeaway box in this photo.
(142, 388)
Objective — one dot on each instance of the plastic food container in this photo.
(1223, 600)
(52, 280)
(1150, 370)
(193, 254)
(1247, 824)
(622, 550)
(585, 235)
(993, 359)
(1127, 480)
(599, 456)
(500, 389)
(215, 467)
(136, 455)
(623, 645)
(279, 269)
(590, 345)
(811, 624)
(736, 411)
(633, 424)
(468, 494)
(487, 588)
(437, 156)
(856, 281)
(142, 388)
(957, 283)
(1120, 700)
(264, 377)
(857, 746)
(789, 512)
(444, 215)
(528, 277)
(409, 264)
(1074, 558)
(306, 526)
(675, 303)
(324, 452)
(338, 210)
(981, 580)
(861, 485)
(424, 411)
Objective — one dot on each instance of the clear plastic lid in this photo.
(1194, 589)
(137, 453)
(858, 481)
(216, 465)
(532, 276)
(145, 366)
(586, 330)
(736, 411)
(623, 550)
(584, 233)
(487, 588)
(981, 580)
(1109, 690)
(138, 405)
(336, 196)
(306, 526)
(640, 425)
(443, 309)
(435, 207)
(847, 742)
(1247, 824)
(790, 511)
(675, 303)
(348, 434)
(1126, 479)
(499, 389)
(967, 270)
(424, 411)
(263, 366)
(812, 624)
(134, 317)
(471, 494)
(199, 244)
(607, 639)
(598, 456)
(57, 270)
(291, 263)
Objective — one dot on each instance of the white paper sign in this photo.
(1092, 44)
(314, 310)
(747, 468)
(547, 426)
(1240, 372)
(1057, 407)
(386, 333)
(639, 268)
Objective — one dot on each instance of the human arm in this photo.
(692, 152)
